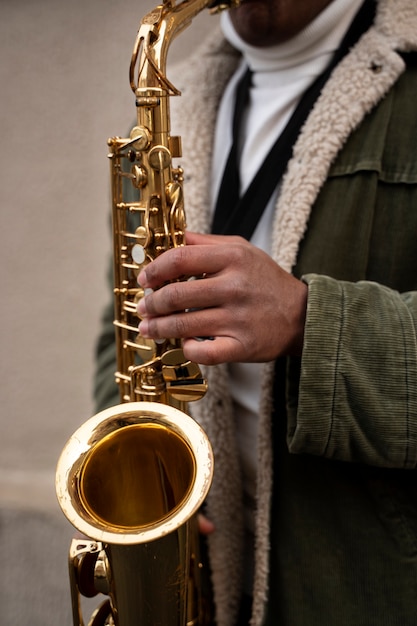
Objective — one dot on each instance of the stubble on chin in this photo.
(270, 22)
(251, 22)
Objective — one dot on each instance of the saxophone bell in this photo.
(132, 479)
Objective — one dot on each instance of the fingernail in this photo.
(141, 278)
(143, 328)
(141, 305)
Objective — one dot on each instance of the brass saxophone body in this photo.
(132, 478)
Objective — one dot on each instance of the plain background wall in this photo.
(64, 90)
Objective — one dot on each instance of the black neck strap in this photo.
(240, 216)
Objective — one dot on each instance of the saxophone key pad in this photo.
(138, 254)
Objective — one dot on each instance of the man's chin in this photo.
(252, 22)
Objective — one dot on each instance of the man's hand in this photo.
(250, 308)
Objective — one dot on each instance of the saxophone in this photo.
(132, 478)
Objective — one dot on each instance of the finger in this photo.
(195, 260)
(205, 526)
(176, 263)
(213, 352)
(205, 322)
(183, 296)
(200, 239)
(207, 339)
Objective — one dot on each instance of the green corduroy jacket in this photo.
(344, 544)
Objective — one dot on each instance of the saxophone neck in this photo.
(156, 32)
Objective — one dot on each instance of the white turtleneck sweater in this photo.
(281, 75)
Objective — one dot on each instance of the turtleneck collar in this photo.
(322, 35)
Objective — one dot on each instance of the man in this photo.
(312, 362)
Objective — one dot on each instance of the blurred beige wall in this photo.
(64, 89)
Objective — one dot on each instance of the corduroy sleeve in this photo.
(357, 394)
